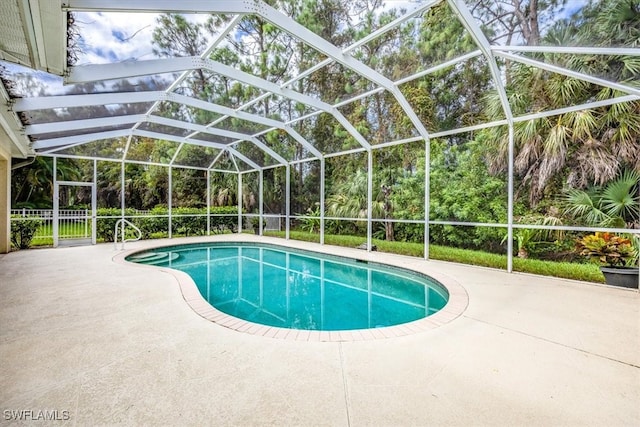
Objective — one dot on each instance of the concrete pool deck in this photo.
(101, 343)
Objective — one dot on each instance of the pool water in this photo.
(278, 286)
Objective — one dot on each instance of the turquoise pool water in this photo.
(278, 286)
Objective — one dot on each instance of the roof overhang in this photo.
(13, 139)
(34, 34)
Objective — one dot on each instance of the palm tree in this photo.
(581, 147)
(616, 204)
(33, 184)
(349, 200)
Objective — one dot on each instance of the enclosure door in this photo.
(73, 226)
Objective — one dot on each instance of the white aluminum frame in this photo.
(239, 9)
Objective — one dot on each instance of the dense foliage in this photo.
(155, 223)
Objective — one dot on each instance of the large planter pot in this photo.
(626, 277)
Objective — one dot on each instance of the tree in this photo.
(580, 147)
(174, 36)
(510, 20)
(32, 185)
(349, 199)
(463, 190)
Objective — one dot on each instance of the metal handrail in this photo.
(120, 224)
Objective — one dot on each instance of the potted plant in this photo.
(615, 254)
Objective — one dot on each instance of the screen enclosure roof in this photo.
(212, 106)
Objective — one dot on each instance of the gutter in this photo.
(23, 163)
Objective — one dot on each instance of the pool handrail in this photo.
(120, 226)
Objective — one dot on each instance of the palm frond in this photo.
(620, 196)
(631, 65)
(583, 123)
(584, 206)
(528, 154)
(554, 153)
(594, 163)
(529, 130)
(566, 90)
(556, 142)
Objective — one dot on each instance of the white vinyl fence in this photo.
(72, 223)
(76, 223)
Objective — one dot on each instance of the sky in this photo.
(118, 37)
(121, 37)
(105, 38)
(115, 37)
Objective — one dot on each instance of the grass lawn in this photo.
(44, 235)
(566, 270)
(585, 272)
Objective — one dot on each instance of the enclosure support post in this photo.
(122, 207)
(261, 199)
(170, 202)
(56, 202)
(94, 203)
(239, 202)
(122, 199)
(287, 208)
(207, 174)
(427, 196)
(369, 197)
(5, 202)
(510, 203)
(322, 170)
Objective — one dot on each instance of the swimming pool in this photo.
(286, 288)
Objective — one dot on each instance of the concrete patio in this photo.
(115, 344)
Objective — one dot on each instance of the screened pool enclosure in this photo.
(350, 117)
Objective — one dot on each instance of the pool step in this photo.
(155, 257)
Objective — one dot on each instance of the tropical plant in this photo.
(311, 223)
(32, 185)
(608, 249)
(529, 238)
(578, 147)
(257, 225)
(525, 238)
(616, 204)
(23, 230)
(349, 200)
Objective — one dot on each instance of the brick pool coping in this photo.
(456, 305)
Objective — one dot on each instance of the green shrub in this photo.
(408, 232)
(106, 226)
(156, 226)
(189, 221)
(227, 222)
(23, 230)
(184, 221)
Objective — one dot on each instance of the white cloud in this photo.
(117, 37)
